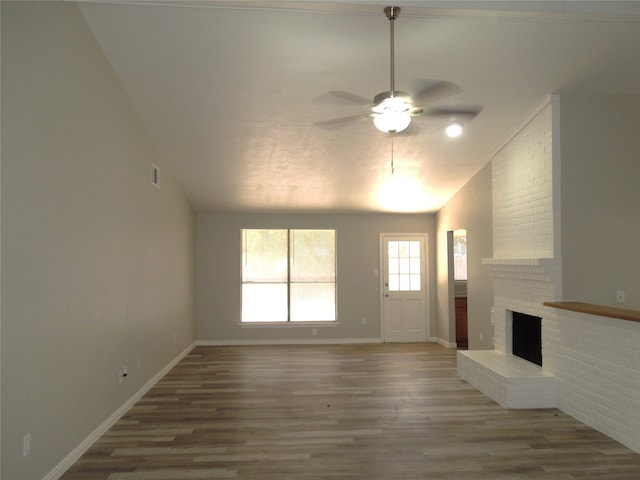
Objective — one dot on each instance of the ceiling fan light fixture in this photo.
(454, 130)
(392, 121)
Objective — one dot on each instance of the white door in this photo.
(404, 301)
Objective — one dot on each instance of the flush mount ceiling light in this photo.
(454, 130)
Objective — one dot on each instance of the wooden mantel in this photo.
(600, 310)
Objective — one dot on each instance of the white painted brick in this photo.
(594, 361)
(523, 192)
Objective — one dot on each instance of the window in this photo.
(404, 265)
(288, 275)
(460, 255)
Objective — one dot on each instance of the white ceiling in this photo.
(230, 91)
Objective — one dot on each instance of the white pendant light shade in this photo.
(392, 114)
(391, 121)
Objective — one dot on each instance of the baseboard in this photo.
(446, 344)
(77, 452)
(318, 341)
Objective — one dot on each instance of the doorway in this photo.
(459, 247)
(404, 289)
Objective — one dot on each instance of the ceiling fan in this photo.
(393, 110)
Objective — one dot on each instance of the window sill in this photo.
(320, 324)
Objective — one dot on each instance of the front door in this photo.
(404, 301)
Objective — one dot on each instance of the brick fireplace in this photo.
(590, 361)
(520, 285)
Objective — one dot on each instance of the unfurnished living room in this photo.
(320, 240)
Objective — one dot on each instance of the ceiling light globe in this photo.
(454, 130)
(390, 121)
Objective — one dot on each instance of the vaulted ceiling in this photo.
(230, 91)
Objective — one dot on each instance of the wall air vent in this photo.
(155, 176)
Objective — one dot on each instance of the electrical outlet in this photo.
(364, 321)
(315, 332)
(26, 445)
(620, 296)
(122, 374)
(481, 336)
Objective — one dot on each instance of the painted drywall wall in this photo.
(471, 209)
(218, 274)
(97, 263)
(600, 162)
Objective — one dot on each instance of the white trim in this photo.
(445, 343)
(310, 324)
(77, 452)
(295, 341)
(381, 272)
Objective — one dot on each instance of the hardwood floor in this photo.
(385, 411)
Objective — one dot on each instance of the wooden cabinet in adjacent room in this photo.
(462, 337)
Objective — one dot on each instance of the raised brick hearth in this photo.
(520, 285)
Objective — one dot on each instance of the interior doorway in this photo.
(459, 253)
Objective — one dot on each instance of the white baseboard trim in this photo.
(446, 344)
(319, 341)
(77, 452)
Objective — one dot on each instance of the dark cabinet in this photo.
(462, 336)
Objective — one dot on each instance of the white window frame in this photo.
(289, 321)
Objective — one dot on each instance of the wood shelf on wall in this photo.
(600, 310)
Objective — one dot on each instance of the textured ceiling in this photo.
(230, 91)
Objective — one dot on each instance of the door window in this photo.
(404, 265)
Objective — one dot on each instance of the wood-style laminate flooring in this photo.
(352, 412)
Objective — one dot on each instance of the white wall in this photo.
(218, 272)
(600, 161)
(97, 263)
(470, 209)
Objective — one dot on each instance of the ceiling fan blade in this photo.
(351, 97)
(435, 91)
(338, 122)
(455, 113)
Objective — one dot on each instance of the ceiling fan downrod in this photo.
(392, 13)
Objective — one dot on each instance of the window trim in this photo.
(289, 322)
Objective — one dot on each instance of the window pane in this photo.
(305, 258)
(405, 270)
(414, 265)
(313, 302)
(394, 265)
(393, 249)
(404, 265)
(264, 302)
(264, 256)
(460, 255)
(313, 256)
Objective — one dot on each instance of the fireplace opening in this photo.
(527, 337)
